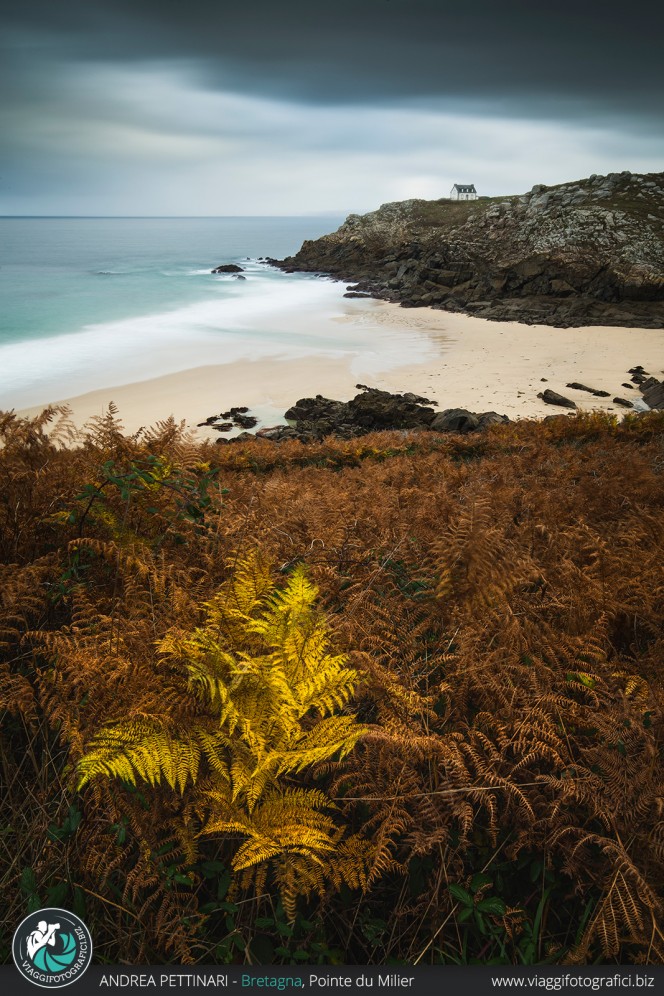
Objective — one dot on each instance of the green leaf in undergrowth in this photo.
(581, 677)
(239, 942)
(68, 827)
(229, 907)
(29, 885)
(461, 895)
(479, 880)
(493, 906)
(373, 929)
(79, 905)
(29, 889)
(210, 869)
(181, 879)
(223, 884)
(536, 869)
(56, 895)
(120, 830)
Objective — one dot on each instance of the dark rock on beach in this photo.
(245, 421)
(653, 393)
(590, 390)
(551, 398)
(238, 419)
(373, 410)
(455, 420)
(312, 419)
(369, 411)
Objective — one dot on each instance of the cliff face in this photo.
(589, 252)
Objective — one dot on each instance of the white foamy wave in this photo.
(215, 331)
(283, 317)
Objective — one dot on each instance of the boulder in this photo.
(455, 420)
(227, 268)
(245, 421)
(591, 390)
(551, 398)
(491, 418)
(653, 393)
(275, 433)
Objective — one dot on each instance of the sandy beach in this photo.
(473, 363)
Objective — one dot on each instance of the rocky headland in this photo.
(589, 252)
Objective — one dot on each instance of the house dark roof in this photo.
(465, 188)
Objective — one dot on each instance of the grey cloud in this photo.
(376, 50)
(134, 106)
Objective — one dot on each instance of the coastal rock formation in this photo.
(371, 411)
(238, 417)
(227, 268)
(653, 393)
(584, 253)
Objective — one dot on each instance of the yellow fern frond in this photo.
(141, 749)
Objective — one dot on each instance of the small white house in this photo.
(463, 192)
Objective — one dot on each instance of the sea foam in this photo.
(273, 316)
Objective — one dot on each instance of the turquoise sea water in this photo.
(89, 303)
(59, 275)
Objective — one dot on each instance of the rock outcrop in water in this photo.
(584, 253)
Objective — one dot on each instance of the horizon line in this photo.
(171, 217)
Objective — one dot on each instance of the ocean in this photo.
(91, 303)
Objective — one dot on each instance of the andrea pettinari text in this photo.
(220, 980)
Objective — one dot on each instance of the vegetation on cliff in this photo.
(460, 755)
(589, 252)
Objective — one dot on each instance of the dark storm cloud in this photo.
(564, 57)
(200, 107)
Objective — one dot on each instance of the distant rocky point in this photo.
(584, 253)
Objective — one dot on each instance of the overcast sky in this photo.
(194, 107)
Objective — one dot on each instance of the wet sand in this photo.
(472, 363)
